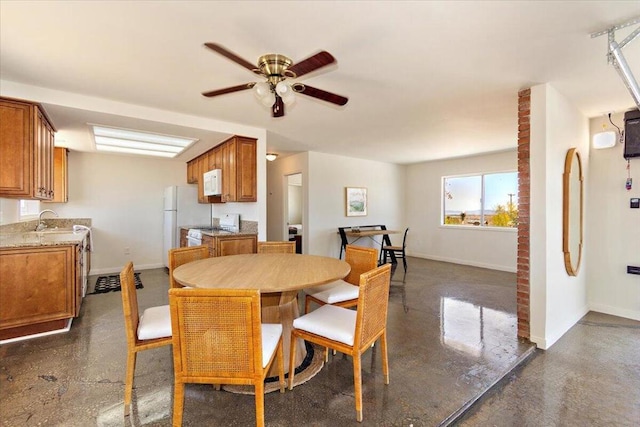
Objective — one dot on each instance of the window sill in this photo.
(478, 227)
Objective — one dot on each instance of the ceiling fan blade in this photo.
(310, 64)
(232, 56)
(229, 90)
(278, 107)
(320, 94)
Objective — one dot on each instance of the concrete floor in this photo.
(452, 335)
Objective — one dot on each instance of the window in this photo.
(489, 200)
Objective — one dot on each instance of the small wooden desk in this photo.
(279, 277)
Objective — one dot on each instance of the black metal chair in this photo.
(395, 252)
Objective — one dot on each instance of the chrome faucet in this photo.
(41, 225)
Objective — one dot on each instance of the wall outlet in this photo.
(127, 251)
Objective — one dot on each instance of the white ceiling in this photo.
(425, 80)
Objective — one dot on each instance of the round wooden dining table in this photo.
(279, 277)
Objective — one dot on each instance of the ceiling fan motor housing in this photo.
(273, 66)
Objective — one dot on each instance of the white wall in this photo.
(9, 211)
(327, 178)
(614, 230)
(324, 178)
(123, 197)
(557, 300)
(462, 245)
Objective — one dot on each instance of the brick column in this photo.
(522, 276)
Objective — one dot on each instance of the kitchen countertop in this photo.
(51, 237)
(218, 233)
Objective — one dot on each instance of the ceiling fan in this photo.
(276, 68)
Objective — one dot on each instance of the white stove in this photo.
(229, 223)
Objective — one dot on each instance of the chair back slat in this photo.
(180, 256)
(216, 333)
(361, 260)
(129, 303)
(404, 239)
(276, 247)
(373, 302)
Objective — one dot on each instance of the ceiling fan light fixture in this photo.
(261, 90)
(269, 99)
(284, 90)
(276, 68)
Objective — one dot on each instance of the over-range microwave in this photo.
(213, 182)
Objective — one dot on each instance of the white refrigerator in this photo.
(181, 208)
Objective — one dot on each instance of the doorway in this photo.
(294, 205)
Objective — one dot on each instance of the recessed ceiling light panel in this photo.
(128, 141)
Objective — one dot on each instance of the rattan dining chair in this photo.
(395, 252)
(344, 293)
(276, 247)
(219, 339)
(151, 330)
(179, 256)
(348, 331)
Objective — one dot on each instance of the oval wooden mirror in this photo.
(572, 212)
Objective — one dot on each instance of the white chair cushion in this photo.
(270, 335)
(334, 292)
(155, 322)
(329, 321)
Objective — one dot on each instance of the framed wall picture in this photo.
(356, 201)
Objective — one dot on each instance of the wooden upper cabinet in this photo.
(239, 170)
(237, 159)
(202, 165)
(60, 176)
(246, 174)
(192, 171)
(217, 155)
(211, 157)
(26, 151)
(228, 171)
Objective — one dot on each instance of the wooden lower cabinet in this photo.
(40, 289)
(225, 245)
(236, 245)
(211, 243)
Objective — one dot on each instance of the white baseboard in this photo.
(117, 270)
(615, 311)
(551, 338)
(465, 262)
